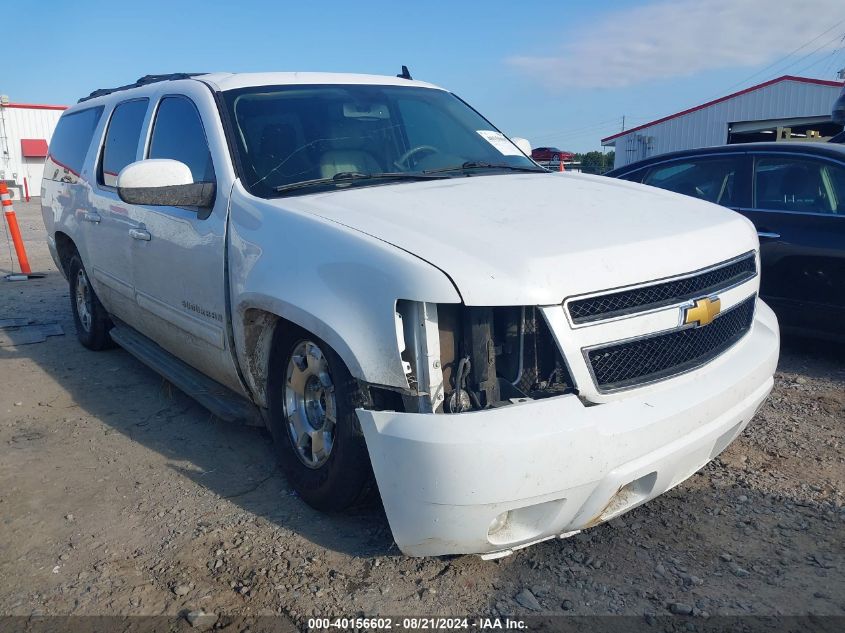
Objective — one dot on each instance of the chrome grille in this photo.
(675, 291)
(656, 357)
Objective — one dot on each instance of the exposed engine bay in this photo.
(459, 358)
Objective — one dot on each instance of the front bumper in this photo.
(557, 465)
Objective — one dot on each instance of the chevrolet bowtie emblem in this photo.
(702, 312)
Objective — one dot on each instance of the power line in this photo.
(574, 135)
(816, 62)
(590, 128)
(811, 53)
(576, 129)
(587, 129)
(782, 59)
(829, 67)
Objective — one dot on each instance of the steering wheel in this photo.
(402, 161)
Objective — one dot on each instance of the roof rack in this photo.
(143, 81)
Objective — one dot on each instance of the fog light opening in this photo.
(499, 523)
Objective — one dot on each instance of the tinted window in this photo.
(634, 176)
(70, 143)
(801, 185)
(122, 139)
(837, 183)
(178, 134)
(710, 179)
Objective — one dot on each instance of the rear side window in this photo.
(178, 134)
(70, 143)
(710, 179)
(122, 139)
(799, 185)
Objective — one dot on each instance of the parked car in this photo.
(794, 193)
(549, 154)
(371, 269)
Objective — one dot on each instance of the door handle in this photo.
(92, 216)
(768, 235)
(140, 234)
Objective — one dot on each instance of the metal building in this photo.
(25, 131)
(783, 109)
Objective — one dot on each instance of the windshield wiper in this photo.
(474, 164)
(350, 176)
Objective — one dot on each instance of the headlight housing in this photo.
(460, 358)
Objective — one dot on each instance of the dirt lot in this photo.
(119, 495)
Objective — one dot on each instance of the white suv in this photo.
(370, 268)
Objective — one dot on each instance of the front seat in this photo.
(345, 153)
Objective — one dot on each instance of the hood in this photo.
(536, 239)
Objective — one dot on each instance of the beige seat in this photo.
(345, 141)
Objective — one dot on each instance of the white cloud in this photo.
(683, 37)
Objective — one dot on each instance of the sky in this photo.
(559, 73)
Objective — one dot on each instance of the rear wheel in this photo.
(89, 315)
(312, 418)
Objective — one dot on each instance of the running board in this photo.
(220, 400)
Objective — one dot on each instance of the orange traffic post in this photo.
(561, 167)
(14, 229)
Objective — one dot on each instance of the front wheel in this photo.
(312, 418)
(89, 315)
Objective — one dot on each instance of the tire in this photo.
(91, 319)
(307, 383)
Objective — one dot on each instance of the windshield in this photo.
(302, 139)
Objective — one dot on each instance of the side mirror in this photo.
(522, 144)
(163, 182)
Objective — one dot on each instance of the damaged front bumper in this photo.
(492, 481)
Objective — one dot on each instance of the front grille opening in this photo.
(671, 292)
(628, 364)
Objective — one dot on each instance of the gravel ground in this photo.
(120, 495)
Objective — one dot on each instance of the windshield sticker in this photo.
(500, 142)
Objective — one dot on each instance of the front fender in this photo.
(335, 282)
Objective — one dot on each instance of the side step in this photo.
(221, 401)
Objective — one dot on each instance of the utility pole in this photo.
(623, 122)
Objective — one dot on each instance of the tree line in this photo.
(596, 162)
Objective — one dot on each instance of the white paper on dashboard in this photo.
(500, 142)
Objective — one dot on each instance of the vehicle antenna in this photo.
(405, 74)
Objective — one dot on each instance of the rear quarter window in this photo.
(70, 144)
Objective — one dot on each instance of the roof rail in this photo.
(143, 81)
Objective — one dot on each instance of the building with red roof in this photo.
(788, 108)
(25, 132)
